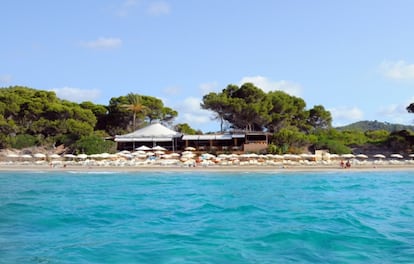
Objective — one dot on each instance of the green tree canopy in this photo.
(410, 108)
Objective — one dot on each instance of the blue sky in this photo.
(356, 58)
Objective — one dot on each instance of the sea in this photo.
(195, 216)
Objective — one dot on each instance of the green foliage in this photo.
(23, 141)
(410, 108)
(319, 118)
(377, 136)
(290, 140)
(333, 146)
(375, 125)
(244, 107)
(249, 108)
(94, 144)
(186, 129)
(124, 111)
(401, 141)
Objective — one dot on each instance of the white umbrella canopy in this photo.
(26, 156)
(379, 156)
(82, 156)
(39, 155)
(333, 156)
(411, 155)
(207, 156)
(138, 152)
(54, 156)
(291, 157)
(158, 148)
(396, 156)
(143, 147)
(348, 156)
(190, 148)
(12, 155)
(69, 156)
(361, 156)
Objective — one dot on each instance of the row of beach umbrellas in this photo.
(144, 151)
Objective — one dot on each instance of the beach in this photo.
(30, 167)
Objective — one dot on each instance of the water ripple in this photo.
(207, 218)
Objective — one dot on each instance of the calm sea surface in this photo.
(201, 217)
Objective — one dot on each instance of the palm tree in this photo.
(134, 105)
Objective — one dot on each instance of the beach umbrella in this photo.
(26, 156)
(138, 152)
(278, 157)
(39, 155)
(158, 148)
(411, 155)
(190, 148)
(379, 156)
(291, 157)
(69, 156)
(82, 156)
(207, 156)
(333, 156)
(361, 156)
(12, 155)
(54, 156)
(397, 156)
(143, 147)
(348, 156)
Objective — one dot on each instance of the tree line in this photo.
(30, 117)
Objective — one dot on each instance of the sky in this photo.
(356, 58)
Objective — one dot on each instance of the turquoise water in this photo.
(199, 217)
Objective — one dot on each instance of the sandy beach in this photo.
(211, 168)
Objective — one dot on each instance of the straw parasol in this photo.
(361, 156)
(190, 148)
(82, 156)
(348, 156)
(143, 148)
(54, 156)
(396, 156)
(39, 155)
(379, 156)
(158, 148)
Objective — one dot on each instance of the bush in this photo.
(333, 146)
(24, 141)
(93, 145)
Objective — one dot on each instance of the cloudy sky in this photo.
(356, 58)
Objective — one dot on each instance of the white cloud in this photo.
(76, 94)
(103, 43)
(268, 85)
(126, 7)
(399, 70)
(346, 115)
(172, 90)
(6, 78)
(208, 87)
(396, 113)
(159, 8)
(191, 112)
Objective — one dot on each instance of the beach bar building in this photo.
(157, 134)
(150, 136)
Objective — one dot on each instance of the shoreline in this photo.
(211, 168)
